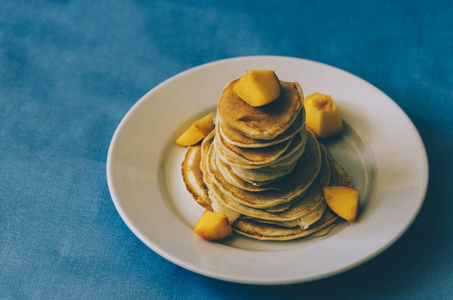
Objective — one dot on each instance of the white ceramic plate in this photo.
(380, 148)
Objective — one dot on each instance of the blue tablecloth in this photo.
(70, 70)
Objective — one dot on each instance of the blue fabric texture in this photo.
(69, 72)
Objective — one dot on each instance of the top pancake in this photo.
(264, 122)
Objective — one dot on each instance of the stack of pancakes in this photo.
(263, 169)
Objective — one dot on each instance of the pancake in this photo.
(264, 122)
(261, 161)
(263, 174)
(284, 206)
(193, 177)
(311, 201)
(235, 138)
(254, 156)
(303, 221)
(271, 172)
(238, 182)
(279, 184)
(261, 177)
(270, 232)
(218, 207)
(306, 170)
(263, 231)
(340, 175)
(264, 177)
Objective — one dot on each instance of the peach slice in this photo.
(197, 131)
(205, 124)
(343, 200)
(190, 137)
(258, 87)
(322, 115)
(213, 226)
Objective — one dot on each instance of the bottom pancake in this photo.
(262, 231)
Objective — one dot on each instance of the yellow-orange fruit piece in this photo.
(322, 115)
(213, 226)
(197, 131)
(190, 137)
(258, 87)
(205, 124)
(343, 200)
